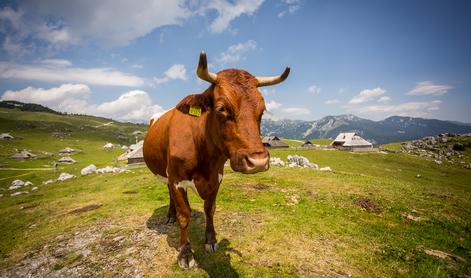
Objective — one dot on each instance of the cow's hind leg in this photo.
(211, 244)
(185, 258)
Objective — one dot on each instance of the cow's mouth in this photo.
(250, 163)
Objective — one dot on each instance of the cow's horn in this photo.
(272, 80)
(202, 70)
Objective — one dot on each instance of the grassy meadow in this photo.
(376, 215)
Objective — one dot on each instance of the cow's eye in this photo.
(220, 109)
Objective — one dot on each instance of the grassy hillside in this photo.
(372, 217)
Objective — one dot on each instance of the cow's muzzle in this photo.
(250, 162)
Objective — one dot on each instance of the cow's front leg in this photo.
(211, 244)
(185, 258)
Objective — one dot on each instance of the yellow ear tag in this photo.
(195, 111)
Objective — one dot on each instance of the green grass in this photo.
(260, 233)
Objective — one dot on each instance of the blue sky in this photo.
(128, 60)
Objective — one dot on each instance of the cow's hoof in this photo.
(171, 220)
(185, 258)
(211, 247)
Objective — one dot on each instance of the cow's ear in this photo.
(202, 102)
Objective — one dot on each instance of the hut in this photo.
(66, 159)
(273, 142)
(134, 154)
(24, 154)
(350, 140)
(66, 150)
(6, 136)
(308, 144)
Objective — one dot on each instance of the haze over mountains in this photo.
(392, 129)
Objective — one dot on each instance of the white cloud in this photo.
(331, 101)
(313, 89)
(108, 22)
(366, 95)
(296, 111)
(415, 109)
(267, 91)
(291, 7)
(272, 105)
(56, 62)
(59, 72)
(228, 11)
(133, 105)
(429, 88)
(137, 66)
(234, 53)
(176, 71)
(384, 99)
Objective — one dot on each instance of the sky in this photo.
(129, 60)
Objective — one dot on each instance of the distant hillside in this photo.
(392, 129)
(24, 120)
(32, 107)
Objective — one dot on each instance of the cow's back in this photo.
(155, 147)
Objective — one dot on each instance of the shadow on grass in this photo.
(216, 264)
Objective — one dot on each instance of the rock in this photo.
(34, 188)
(19, 193)
(276, 161)
(109, 169)
(90, 169)
(467, 166)
(325, 169)
(13, 187)
(418, 176)
(65, 176)
(17, 183)
(292, 200)
(28, 183)
(108, 146)
(438, 162)
(48, 181)
(124, 147)
(300, 161)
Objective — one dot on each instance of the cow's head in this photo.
(234, 107)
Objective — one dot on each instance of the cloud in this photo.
(272, 105)
(59, 71)
(331, 101)
(135, 105)
(137, 66)
(228, 11)
(108, 22)
(415, 109)
(366, 95)
(296, 111)
(313, 89)
(384, 99)
(234, 53)
(176, 71)
(291, 7)
(267, 91)
(429, 88)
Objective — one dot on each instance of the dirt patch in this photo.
(130, 192)
(368, 205)
(260, 186)
(85, 209)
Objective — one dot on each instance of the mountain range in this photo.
(391, 129)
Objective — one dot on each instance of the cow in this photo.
(189, 144)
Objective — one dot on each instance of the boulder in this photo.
(19, 193)
(108, 146)
(17, 183)
(65, 176)
(34, 188)
(90, 169)
(300, 161)
(66, 159)
(325, 169)
(276, 161)
(48, 181)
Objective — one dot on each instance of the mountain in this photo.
(392, 129)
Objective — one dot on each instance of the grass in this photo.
(261, 232)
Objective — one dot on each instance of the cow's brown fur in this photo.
(182, 147)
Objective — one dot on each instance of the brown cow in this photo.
(189, 144)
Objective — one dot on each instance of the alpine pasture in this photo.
(377, 214)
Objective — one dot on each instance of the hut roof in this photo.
(24, 154)
(273, 142)
(6, 136)
(350, 139)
